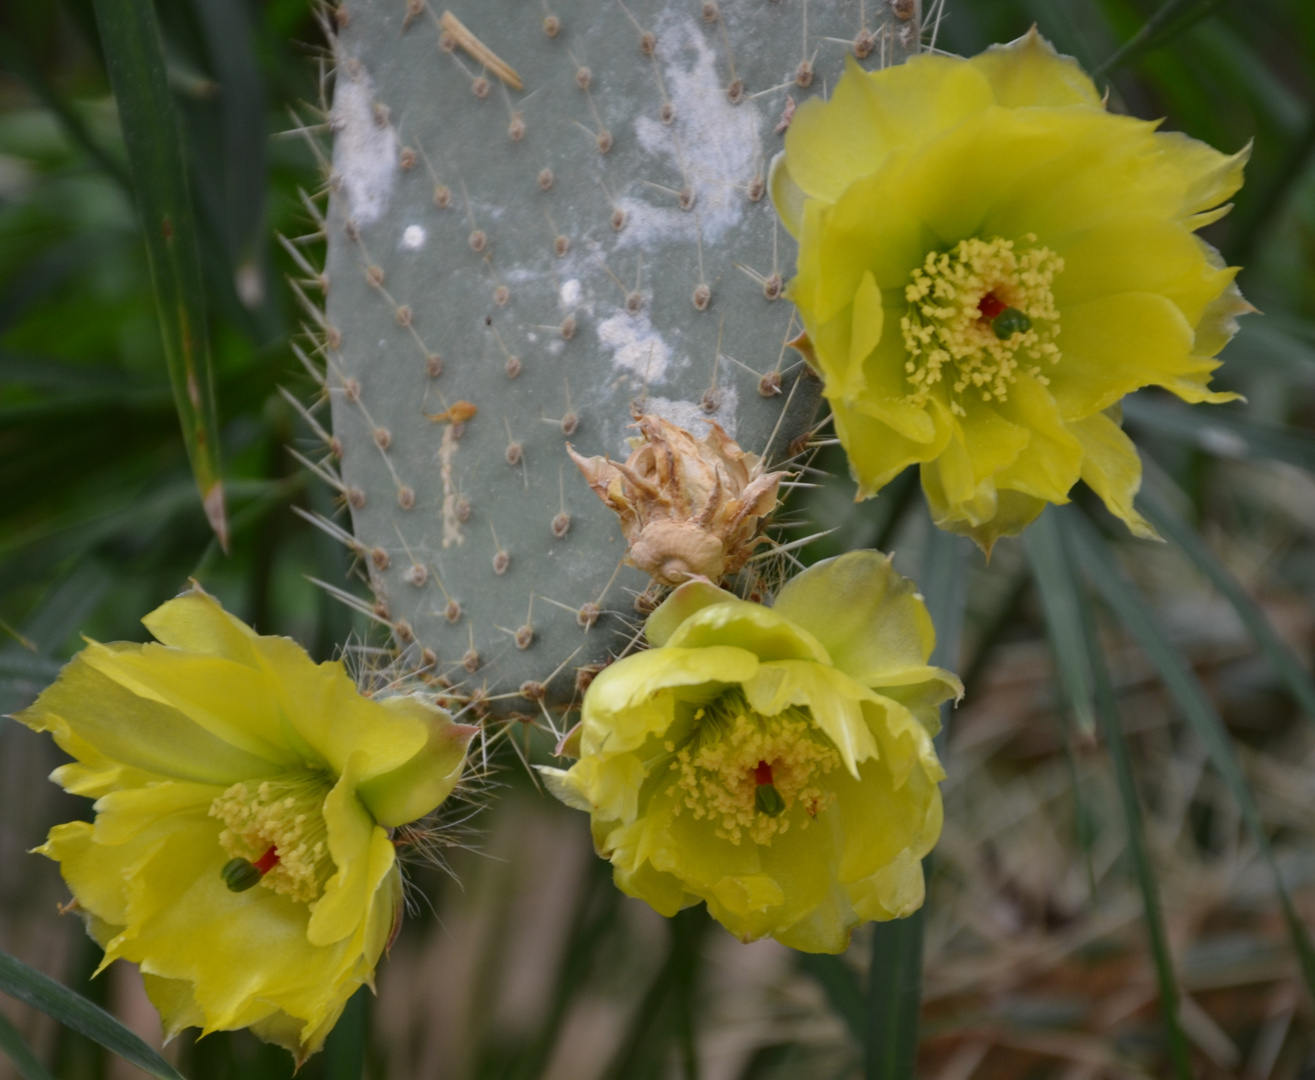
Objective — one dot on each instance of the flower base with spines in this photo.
(553, 254)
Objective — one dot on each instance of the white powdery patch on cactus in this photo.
(364, 152)
(636, 346)
(715, 146)
(413, 238)
(692, 416)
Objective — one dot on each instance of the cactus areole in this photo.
(542, 222)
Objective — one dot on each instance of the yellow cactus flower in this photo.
(989, 261)
(777, 762)
(240, 852)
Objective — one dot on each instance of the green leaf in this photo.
(1062, 605)
(943, 580)
(1056, 581)
(46, 995)
(134, 58)
(1135, 613)
(894, 1000)
(17, 59)
(1264, 207)
(663, 1014)
(17, 1051)
(1160, 512)
(894, 994)
(1222, 432)
(344, 1049)
(842, 989)
(1167, 23)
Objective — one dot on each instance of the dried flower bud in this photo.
(688, 508)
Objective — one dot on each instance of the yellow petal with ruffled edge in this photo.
(751, 627)
(883, 630)
(1112, 470)
(1014, 144)
(419, 785)
(893, 107)
(1114, 345)
(1051, 462)
(362, 855)
(1029, 72)
(325, 710)
(232, 701)
(880, 454)
(624, 705)
(142, 733)
(718, 667)
(683, 601)
(163, 734)
(875, 822)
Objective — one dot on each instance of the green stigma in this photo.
(1009, 322)
(240, 874)
(769, 800)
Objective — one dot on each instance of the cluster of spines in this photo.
(324, 365)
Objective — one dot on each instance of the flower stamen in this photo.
(977, 314)
(276, 834)
(746, 772)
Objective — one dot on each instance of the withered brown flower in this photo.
(688, 507)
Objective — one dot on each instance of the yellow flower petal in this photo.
(142, 733)
(609, 785)
(1112, 470)
(678, 741)
(1140, 254)
(879, 391)
(882, 635)
(960, 482)
(890, 184)
(893, 892)
(220, 723)
(230, 700)
(420, 784)
(876, 824)
(1051, 462)
(324, 711)
(363, 856)
(832, 698)
(1029, 72)
(787, 196)
(624, 707)
(1114, 345)
(868, 321)
(752, 627)
(897, 105)
(197, 623)
(683, 602)
(878, 454)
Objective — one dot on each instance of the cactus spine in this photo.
(542, 216)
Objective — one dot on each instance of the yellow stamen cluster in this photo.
(285, 813)
(717, 768)
(949, 338)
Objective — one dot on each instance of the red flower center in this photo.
(990, 306)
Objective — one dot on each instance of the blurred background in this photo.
(519, 959)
